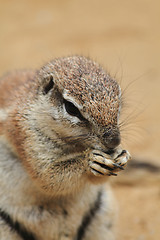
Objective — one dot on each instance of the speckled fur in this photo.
(54, 166)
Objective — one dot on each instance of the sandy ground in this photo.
(124, 36)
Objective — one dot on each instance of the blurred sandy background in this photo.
(124, 36)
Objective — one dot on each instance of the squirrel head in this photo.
(89, 96)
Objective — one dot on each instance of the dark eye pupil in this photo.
(71, 109)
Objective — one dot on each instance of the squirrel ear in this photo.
(49, 84)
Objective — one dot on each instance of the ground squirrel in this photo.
(59, 143)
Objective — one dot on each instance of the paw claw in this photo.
(112, 173)
(118, 166)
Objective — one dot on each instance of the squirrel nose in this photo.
(111, 141)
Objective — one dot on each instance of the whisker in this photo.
(132, 82)
(132, 116)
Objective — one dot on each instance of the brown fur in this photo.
(59, 161)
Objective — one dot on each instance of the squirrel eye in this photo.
(71, 109)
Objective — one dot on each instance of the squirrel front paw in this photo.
(102, 164)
